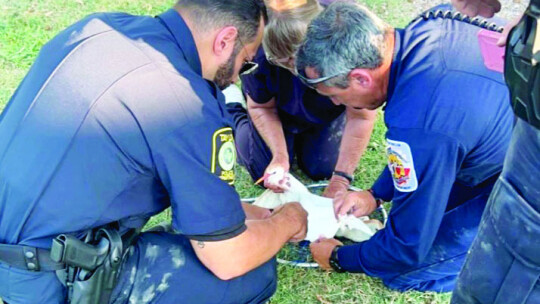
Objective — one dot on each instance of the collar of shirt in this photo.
(396, 63)
(172, 20)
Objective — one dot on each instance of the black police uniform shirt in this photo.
(114, 122)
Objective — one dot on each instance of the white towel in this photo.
(321, 219)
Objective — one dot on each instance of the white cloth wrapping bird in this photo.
(321, 219)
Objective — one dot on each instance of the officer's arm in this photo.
(355, 138)
(261, 240)
(354, 141)
(255, 212)
(416, 213)
(382, 187)
(266, 120)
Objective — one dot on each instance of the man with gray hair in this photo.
(449, 125)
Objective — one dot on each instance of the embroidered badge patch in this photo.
(224, 154)
(401, 165)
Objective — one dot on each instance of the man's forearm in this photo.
(355, 139)
(259, 243)
(268, 124)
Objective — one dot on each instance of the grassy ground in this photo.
(25, 25)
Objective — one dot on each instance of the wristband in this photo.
(343, 174)
(334, 261)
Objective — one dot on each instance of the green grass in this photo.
(26, 25)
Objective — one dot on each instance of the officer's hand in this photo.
(507, 28)
(255, 212)
(321, 251)
(337, 189)
(276, 178)
(296, 218)
(472, 8)
(358, 203)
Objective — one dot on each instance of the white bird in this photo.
(321, 218)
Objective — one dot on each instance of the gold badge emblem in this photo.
(224, 154)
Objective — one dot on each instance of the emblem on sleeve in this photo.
(224, 154)
(401, 165)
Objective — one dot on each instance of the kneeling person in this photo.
(449, 124)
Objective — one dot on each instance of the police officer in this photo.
(286, 119)
(503, 265)
(118, 119)
(448, 126)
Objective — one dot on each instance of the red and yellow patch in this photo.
(401, 165)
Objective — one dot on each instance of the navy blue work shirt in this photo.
(299, 107)
(449, 125)
(114, 122)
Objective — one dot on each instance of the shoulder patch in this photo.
(401, 165)
(224, 154)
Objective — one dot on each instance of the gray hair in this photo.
(245, 15)
(343, 37)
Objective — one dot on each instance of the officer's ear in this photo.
(361, 78)
(224, 42)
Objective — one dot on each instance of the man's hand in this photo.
(472, 8)
(321, 251)
(358, 203)
(296, 218)
(277, 179)
(337, 189)
(337, 184)
(255, 212)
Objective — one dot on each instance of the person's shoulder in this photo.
(169, 102)
(100, 22)
(160, 80)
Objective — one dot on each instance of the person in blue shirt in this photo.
(287, 120)
(503, 264)
(119, 118)
(449, 125)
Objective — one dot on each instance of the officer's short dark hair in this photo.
(245, 15)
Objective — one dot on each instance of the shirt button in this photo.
(29, 254)
(31, 266)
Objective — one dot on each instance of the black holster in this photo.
(92, 266)
(521, 70)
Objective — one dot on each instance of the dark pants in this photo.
(159, 268)
(19, 286)
(163, 268)
(316, 149)
(503, 265)
(439, 269)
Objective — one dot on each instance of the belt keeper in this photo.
(57, 249)
(31, 258)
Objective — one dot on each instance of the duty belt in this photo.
(89, 269)
(28, 258)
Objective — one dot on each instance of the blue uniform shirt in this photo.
(114, 122)
(449, 124)
(299, 107)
